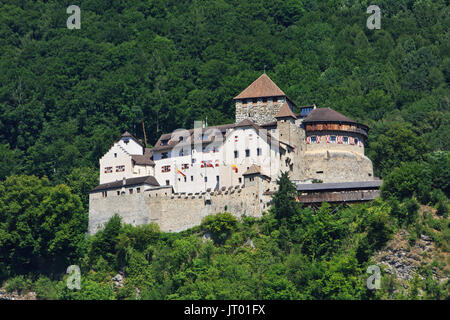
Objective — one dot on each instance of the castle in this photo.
(189, 174)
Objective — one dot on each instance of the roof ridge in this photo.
(263, 86)
(285, 111)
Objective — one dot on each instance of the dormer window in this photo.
(126, 141)
(164, 142)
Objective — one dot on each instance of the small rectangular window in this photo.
(192, 178)
(258, 151)
(131, 191)
(236, 154)
(247, 153)
(345, 140)
(206, 179)
(313, 139)
(333, 139)
(167, 182)
(138, 190)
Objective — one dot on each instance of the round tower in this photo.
(335, 147)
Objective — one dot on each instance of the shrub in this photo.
(442, 208)
(21, 284)
(45, 289)
(220, 225)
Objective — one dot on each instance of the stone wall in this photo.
(259, 112)
(174, 212)
(338, 166)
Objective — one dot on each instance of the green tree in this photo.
(41, 227)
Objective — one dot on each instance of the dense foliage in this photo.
(306, 255)
(66, 95)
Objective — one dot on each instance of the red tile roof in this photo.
(261, 87)
(285, 111)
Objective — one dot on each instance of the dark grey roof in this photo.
(126, 134)
(150, 180)
(375, 184)
(145, 159)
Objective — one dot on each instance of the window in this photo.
(108, 170)
(217, 178)
(356, 141)
(181, 138)
(313, 139)
(104, 193)
(206, 179)
(247, 153)
(333, 139)
(192, 178)
(240, 180)
(165, 168)
(164, 155)
(345, 140)
(185, 166)
(258, 151)
(115, 155)
(236, 154)
(130, 190)
(319, 171)
(118, 193)
(193, 160)
(120, 168)
(167, 183)
(138, 190)
(184, 179)
(164, 142)
(181, 153)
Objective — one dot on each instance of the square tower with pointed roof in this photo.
(261, 101)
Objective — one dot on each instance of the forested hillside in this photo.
(66, 95)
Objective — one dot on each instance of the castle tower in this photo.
(260, 101)
(335, 147)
